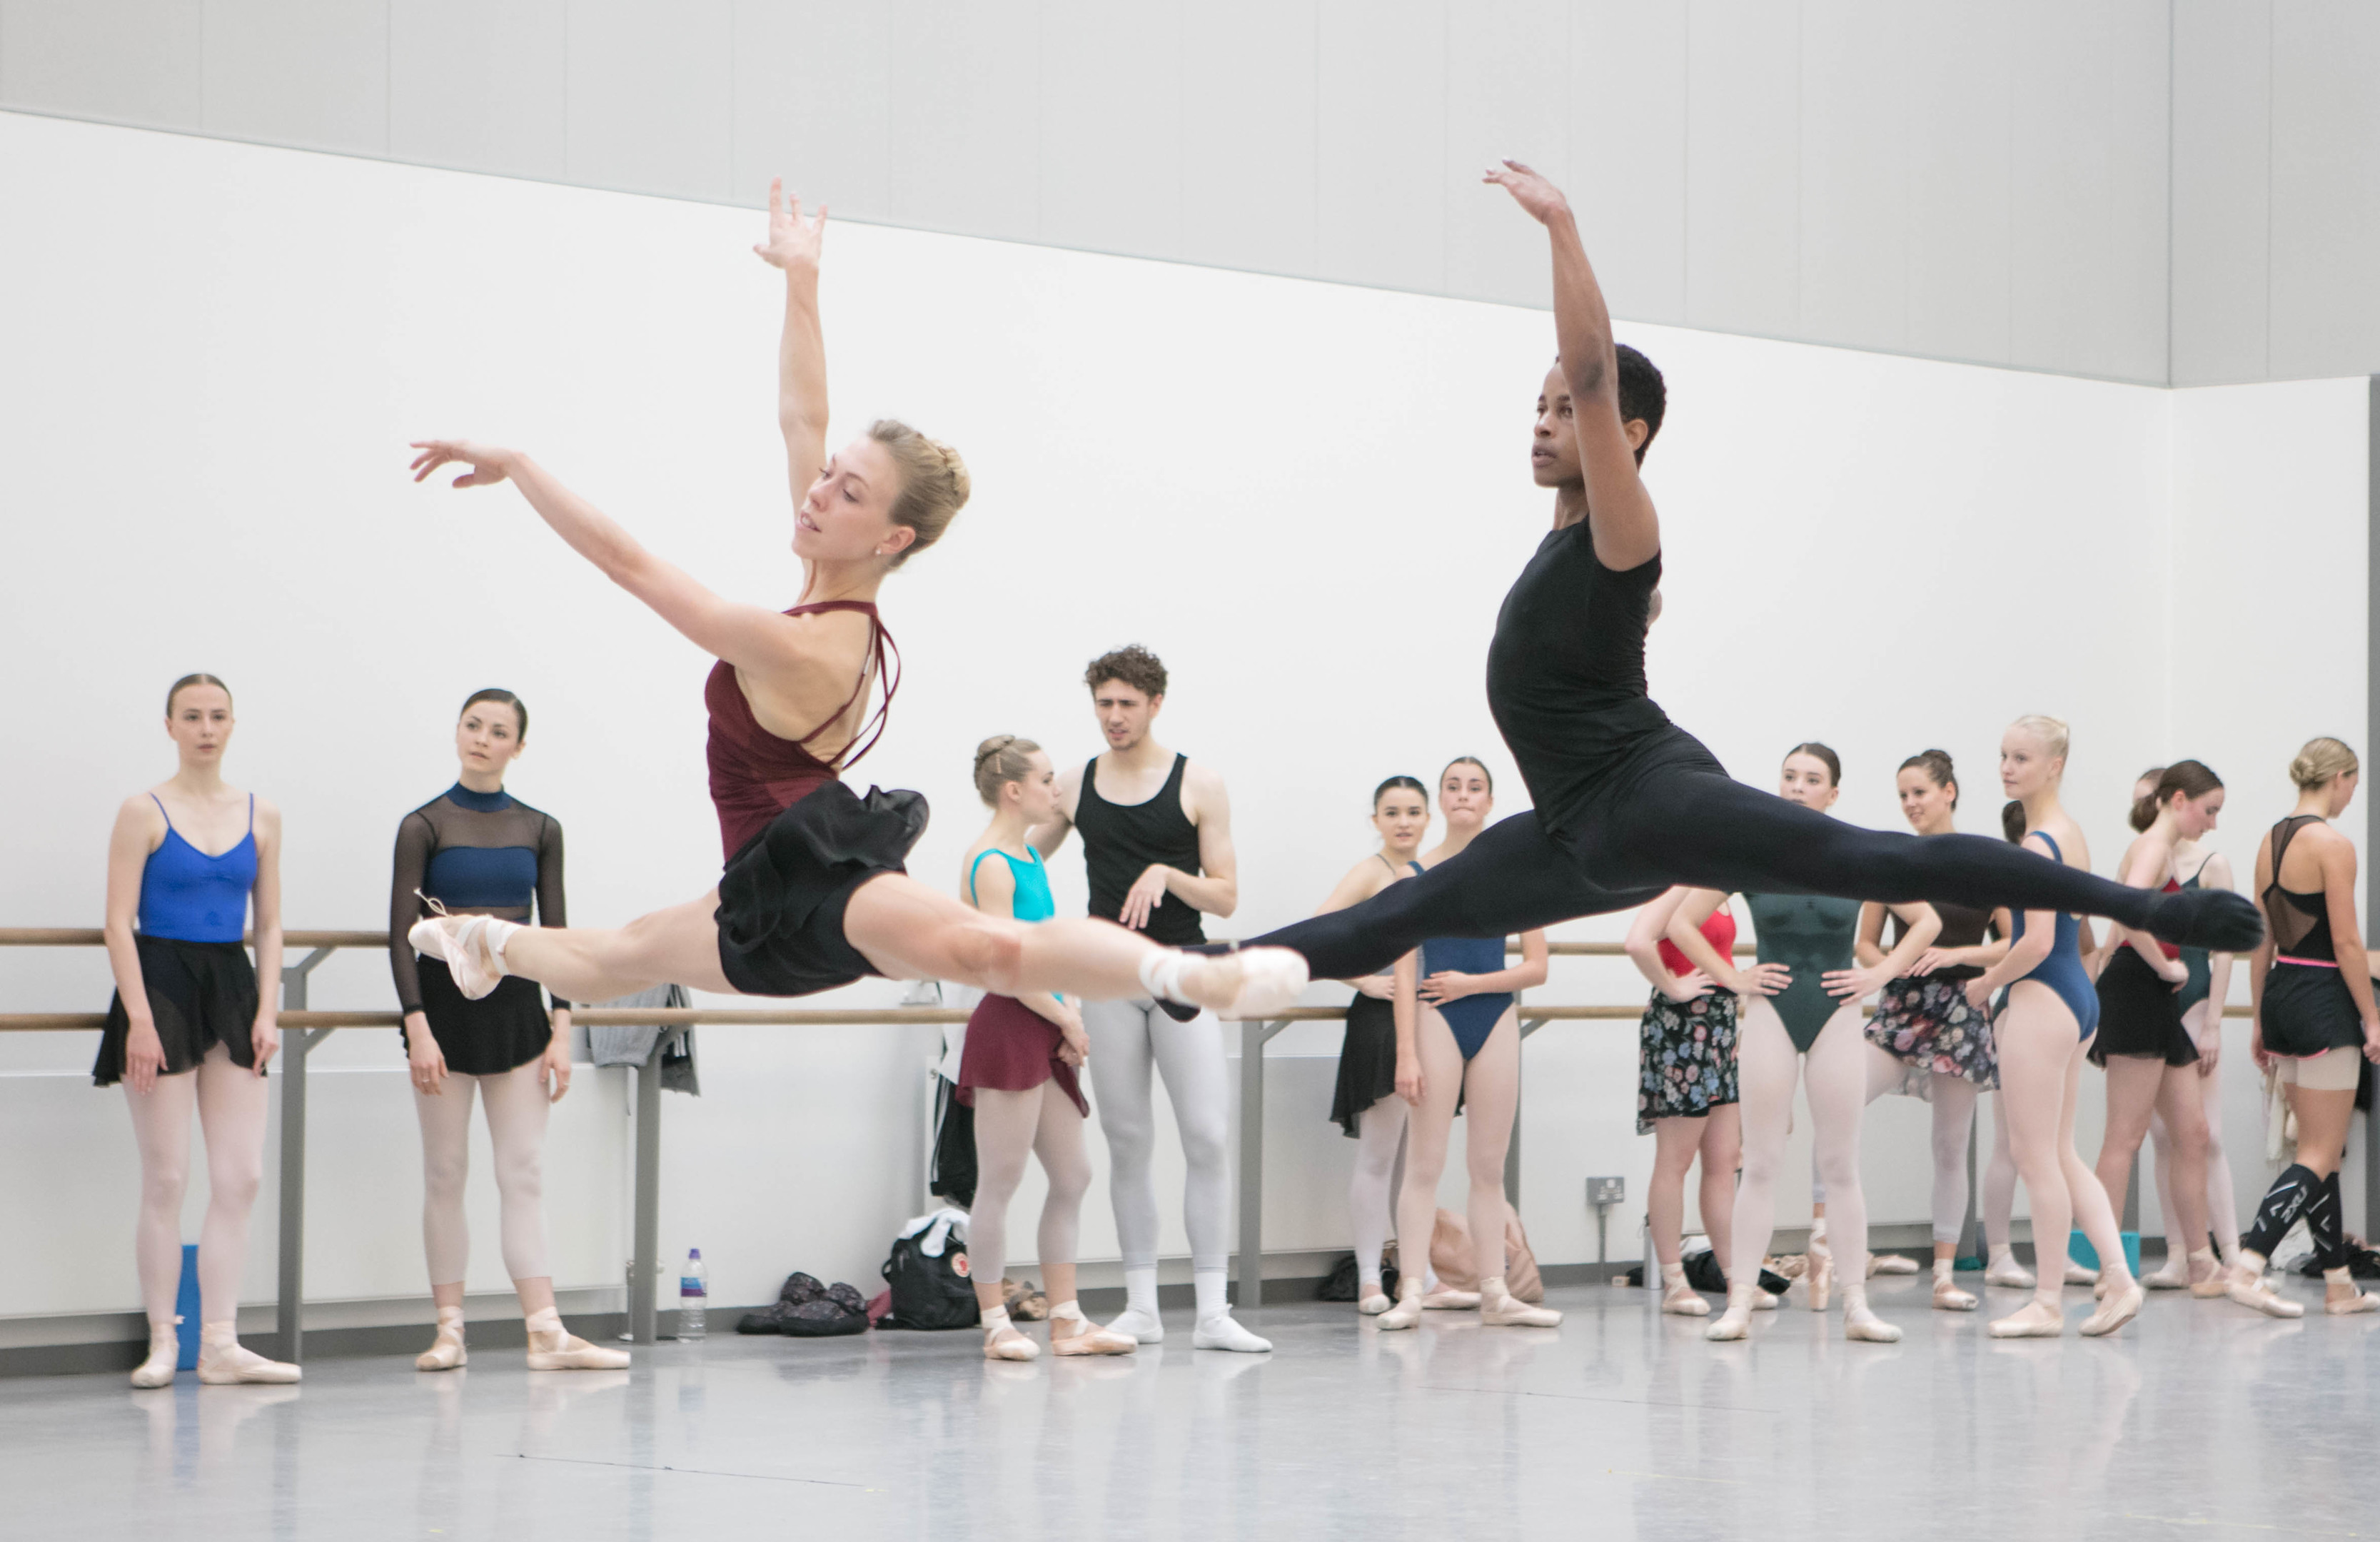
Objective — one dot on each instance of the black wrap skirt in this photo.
(1367, 1061)
(2140, 1014)
(505, 1029)
(201, 994)
(2306, 1011)
(781, 898)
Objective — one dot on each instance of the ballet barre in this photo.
(303, 1029)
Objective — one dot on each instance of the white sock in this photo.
(1140, 1321)
(1160, 975)
(1214, 1289)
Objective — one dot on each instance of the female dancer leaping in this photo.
(1627, 803)
(814, 894)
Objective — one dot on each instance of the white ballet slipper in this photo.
(2077, 1275)
(2007, 1273)
(1375, 1303)
(1225, 1333)
(446, 1352)
(223, 1363)
(2121, 1305)
(1407, 1311)
(2036, 1319)
(1142, 1327)
(1947, 1297)
(165, 1356)
(1500, 1309)
(552, 1348)
(1861, 1324)
(472, 948)
(1736, 1321)
(2247, 1285)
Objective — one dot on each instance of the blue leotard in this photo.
(1472, 1018)
(191, 897)
(2062, 970)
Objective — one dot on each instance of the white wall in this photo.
(1309, 498)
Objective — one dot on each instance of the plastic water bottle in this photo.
(693, 1295)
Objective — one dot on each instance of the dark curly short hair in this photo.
(1133, 664)
(1642, 395)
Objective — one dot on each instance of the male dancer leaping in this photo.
(1627, 803)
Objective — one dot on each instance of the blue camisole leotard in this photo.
(2062, 971)
(1472, 1018)
(191, 897)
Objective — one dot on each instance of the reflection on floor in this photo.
(2202, 1417)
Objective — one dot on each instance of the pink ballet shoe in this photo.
(1444, 1300)
(472, 947)
(165, 1356)
(1500, 1309)
(2036, 1319)
(2120, 1308)
(552, 1348)
(223, 1363)
(445, 1352)
(1072, 1333)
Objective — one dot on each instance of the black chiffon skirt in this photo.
(502, 1031)
(1367, 1061)
(201, 994)
(781, 898)
(2140, 1014)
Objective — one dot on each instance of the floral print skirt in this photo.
(1687, 1066)
(1925, 1023)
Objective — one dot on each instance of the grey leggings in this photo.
(1129, 1040)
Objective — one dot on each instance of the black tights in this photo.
(1695, 827)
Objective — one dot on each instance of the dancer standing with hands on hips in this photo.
(1628, 804)
(474, 849)
(1156, 843)
(815, 894)
(188, 1029)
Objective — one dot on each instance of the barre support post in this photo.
(289, 1298)
(644, 1264)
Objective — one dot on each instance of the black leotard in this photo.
(1628, 804)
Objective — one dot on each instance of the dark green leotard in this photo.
(1810, 935)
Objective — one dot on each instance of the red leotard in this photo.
(1718, 929)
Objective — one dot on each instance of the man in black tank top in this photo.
(1157, 844)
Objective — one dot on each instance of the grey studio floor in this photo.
(2201, 1419)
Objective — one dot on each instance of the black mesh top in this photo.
(2301, 923)
(480, 854)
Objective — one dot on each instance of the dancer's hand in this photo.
(793, 242)
(1380, 987)
(1073, 1044)
(554, 1068)
(2372, 1040)
(1145, 894)
(1936, 958)
(424, 1062)
(1449, 985)
(264, 1039)
(1853, 985)
(1979, 995)
(2211, 1052)
(1762, 979)
(488, 464)
(144, 1057)
(2256, 1046)
(1530, 190)
(2174, 972)
(1689, 987)
(1409, 1080)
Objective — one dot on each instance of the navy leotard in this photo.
(1470, 1018)
(2062, 970)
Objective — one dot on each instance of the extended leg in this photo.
(1708, 830)
(1511, 878)
(678, 945)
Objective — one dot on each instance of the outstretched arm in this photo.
(746, 635)
(1619, 511)
(793, 246)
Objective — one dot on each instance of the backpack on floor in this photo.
(930, 1285)
(1343, 1281)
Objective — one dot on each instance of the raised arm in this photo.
(793, 246)
(1620, 513)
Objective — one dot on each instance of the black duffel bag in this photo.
(930, 1293)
